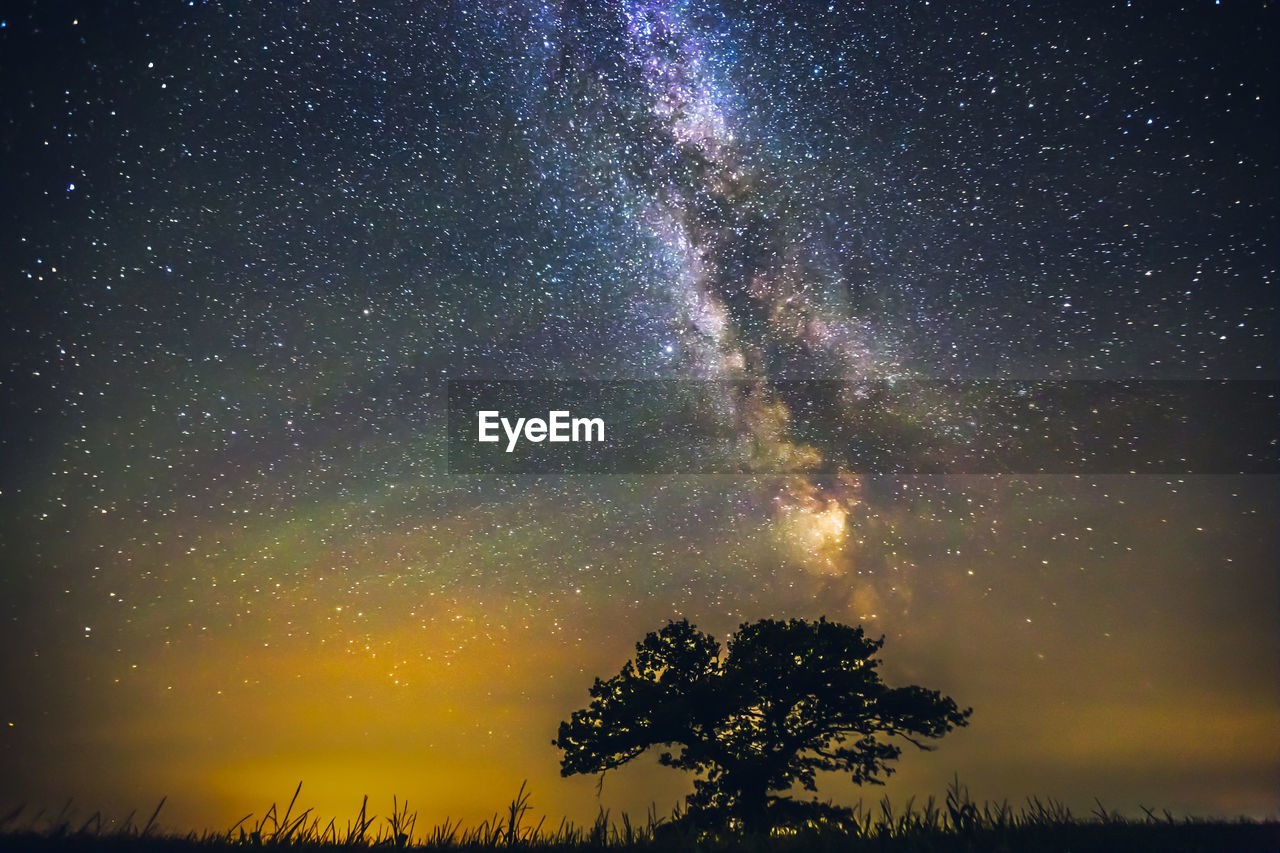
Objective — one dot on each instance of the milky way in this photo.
(245, 249)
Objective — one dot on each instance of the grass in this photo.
(956, 824)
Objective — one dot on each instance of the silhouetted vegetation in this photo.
(956, 825)
(786, 700)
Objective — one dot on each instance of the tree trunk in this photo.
(753, 807)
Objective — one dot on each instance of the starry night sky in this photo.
(245, 246)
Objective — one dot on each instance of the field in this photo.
(957, 824)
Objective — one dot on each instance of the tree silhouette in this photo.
(790, 698)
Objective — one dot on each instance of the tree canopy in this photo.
(786, 700)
